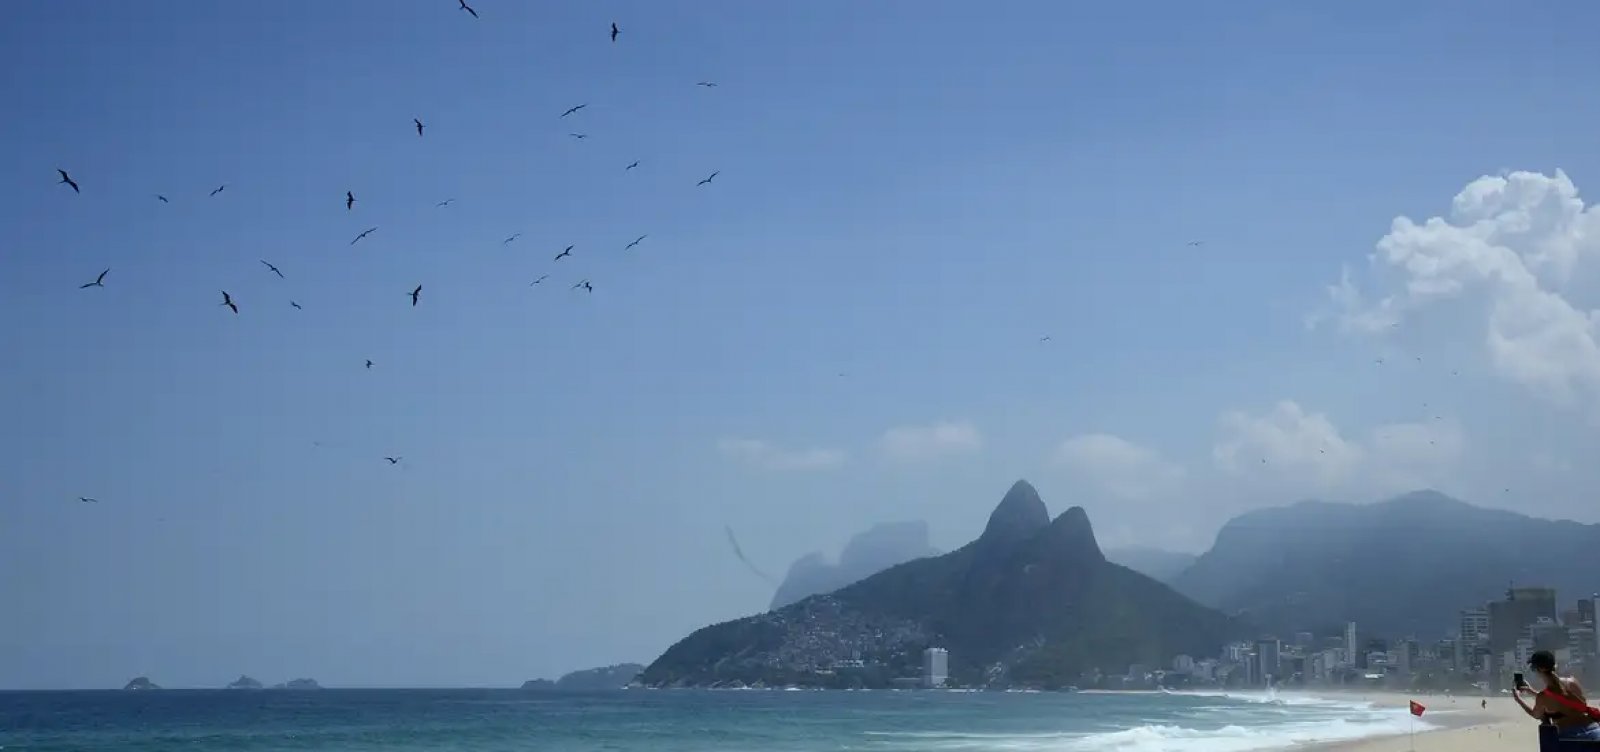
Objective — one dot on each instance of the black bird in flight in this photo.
(416, 294)
(541, 278)
(579, 136)
(363, 234)
(709, 178)
(296, 306)
(614, 31)
(636, 241)
(369, 365)
(219, 189)
(68, 180)
(514, 236)
(420, 126)
(739, 552)
(274, 269)
(629, 167)
(585, 285)
(564, 253)
(571, 110)
(87, 500)
(99, 281)
(162, 199)
(349, 200)
(1045, 338)
(446, 202)
(1196, 243)
(707, 84)
(227, 300)
(394, 460)
(468, 8)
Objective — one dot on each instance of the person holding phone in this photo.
(1561, 702)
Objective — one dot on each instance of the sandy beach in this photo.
(1462, 726)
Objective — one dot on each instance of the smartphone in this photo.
(1518, 681)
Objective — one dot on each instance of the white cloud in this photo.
(1516, 245)
(1119, 466)
(920, 443)
(1288, 446)
(765, 455)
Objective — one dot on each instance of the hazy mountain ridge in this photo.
(868, 552)
(1158, 564)
(1404, 566)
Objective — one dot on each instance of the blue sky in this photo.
(911, 194)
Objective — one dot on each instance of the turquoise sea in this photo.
(677, 721)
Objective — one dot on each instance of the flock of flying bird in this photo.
(416, 293)
(350, 203)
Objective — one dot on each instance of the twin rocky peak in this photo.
(1022, 514)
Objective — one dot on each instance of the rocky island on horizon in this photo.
(140, 683)
(298, 684)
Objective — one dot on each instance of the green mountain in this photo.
(1031, 602)
(1402, 567)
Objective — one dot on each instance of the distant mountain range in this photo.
(867, 554)
(1031, 602)
(1402, 567)
(1155, 563)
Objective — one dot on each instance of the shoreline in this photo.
(1459, 725)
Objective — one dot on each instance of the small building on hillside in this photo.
(935, 668)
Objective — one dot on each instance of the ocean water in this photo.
(679, 721)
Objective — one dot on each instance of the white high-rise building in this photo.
(1350, 648)
(1475, 625)
(935, 667)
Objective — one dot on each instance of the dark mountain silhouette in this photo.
(1157, 564)
(139, 683)
(1030, 602)
(1402, 567)
(868, 553)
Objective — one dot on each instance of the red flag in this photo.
(1417, 708)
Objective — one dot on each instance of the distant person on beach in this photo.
(1562, 701)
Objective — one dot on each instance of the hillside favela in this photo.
(721, 376)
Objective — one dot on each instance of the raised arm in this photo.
(1516, 694)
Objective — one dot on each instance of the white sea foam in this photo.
(1162, 738)
(1237, 723)
(1232, 738)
